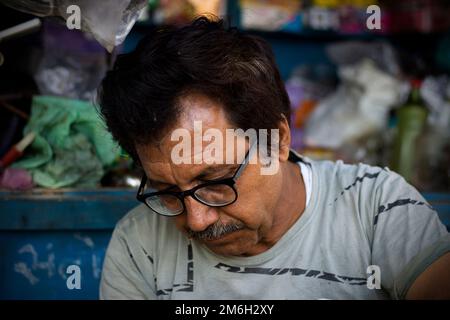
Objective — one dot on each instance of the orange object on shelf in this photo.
(16, 151)
(303, 112)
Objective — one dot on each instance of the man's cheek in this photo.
(181, 223)
(243, 213)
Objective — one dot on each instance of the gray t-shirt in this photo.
(357, 216)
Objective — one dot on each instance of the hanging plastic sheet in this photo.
(108, 21)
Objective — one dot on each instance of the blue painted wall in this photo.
(43, 232)
(34, 263)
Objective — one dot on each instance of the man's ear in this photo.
(285, 139)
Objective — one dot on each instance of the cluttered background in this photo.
(369, 81)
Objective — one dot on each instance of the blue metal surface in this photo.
(34, 263)
(64, 209)
(43, 232)
(440, 203)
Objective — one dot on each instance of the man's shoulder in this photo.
(360, 186)
(358, 193)
(354, 176)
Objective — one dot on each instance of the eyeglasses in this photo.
(214, 193)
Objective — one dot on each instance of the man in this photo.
(211, 230)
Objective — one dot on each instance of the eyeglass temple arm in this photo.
(247, 158)
(142, 185)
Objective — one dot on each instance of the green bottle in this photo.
(411, 124)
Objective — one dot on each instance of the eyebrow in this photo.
(201, 176)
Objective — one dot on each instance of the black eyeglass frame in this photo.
(141, 196)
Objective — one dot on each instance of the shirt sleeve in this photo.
(122, 278)
(408, 235)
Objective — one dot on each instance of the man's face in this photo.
(238, 229)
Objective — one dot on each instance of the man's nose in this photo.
(198, 215)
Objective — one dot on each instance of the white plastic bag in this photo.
(359, 106)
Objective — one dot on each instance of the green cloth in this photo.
(72, 146)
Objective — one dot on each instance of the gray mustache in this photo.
(215, 231)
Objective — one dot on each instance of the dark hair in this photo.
(138, 97)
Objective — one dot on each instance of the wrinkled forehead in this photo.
(201, 136)
(201, 144)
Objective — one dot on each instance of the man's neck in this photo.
(289, 208)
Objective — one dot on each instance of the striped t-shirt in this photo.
(365, 234)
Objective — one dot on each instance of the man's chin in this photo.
(229, 250)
